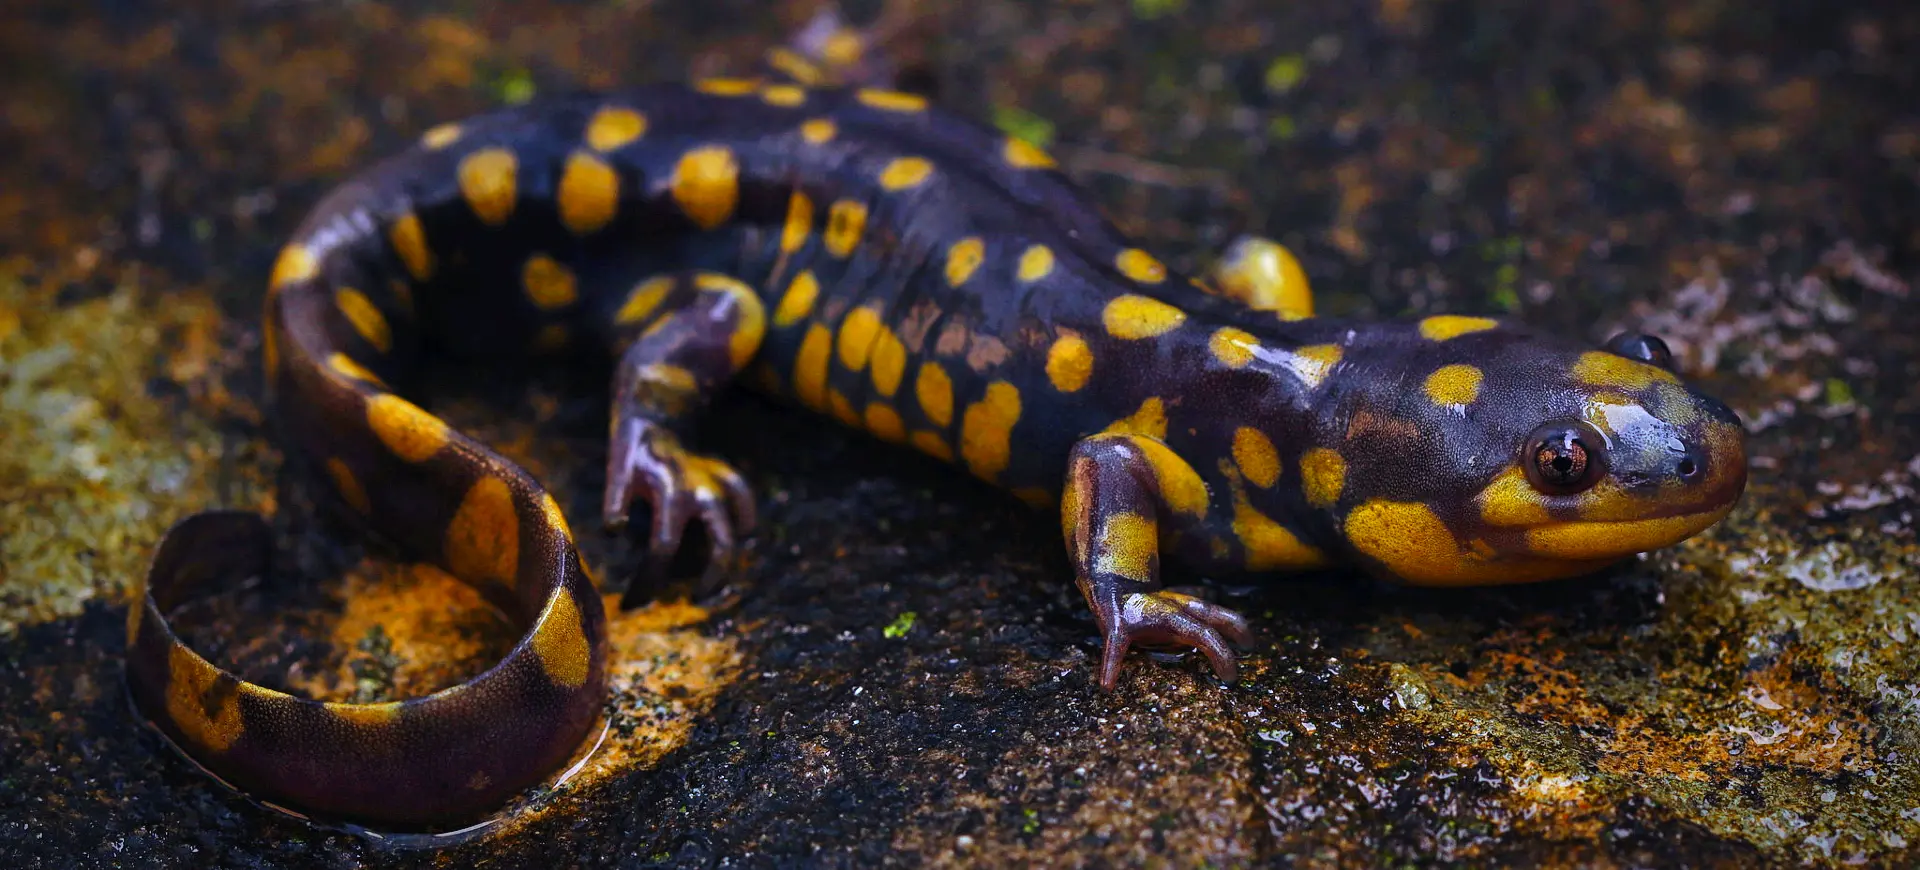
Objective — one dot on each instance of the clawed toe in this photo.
(1172, 618)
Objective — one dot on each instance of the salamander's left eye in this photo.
(1643, 347)
(1565, 457)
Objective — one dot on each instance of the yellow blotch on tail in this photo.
(1134, 317)
(786, 96)
(206, 711)
(561, 642)
(1021, 154)
(856, 336)
(727, 87)
(409, 243)
(986, 430)
(846, 221)
(818, 131)
(906, 172)
(931, 444)
(797, 303)
(810, 367)
(365, 318)
(411, 433)
(488, 183)
(963, 259)
(549, 285)
(889, 362)
(614, 126)
(885, 423)
(1140, 266)
(706, 184)
(440, 137)
(348, 486)
(365, 715)
(799, 224)
(934, 389)
(892, 101)
(295, 263)
(1035, 263)
(643, 300)
(348, 366)
(483, 538)
(589, 193)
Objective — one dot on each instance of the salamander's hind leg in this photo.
(695, 332)
(1124, 495)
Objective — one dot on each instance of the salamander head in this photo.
(1535, 460)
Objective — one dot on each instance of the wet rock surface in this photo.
(904, 674)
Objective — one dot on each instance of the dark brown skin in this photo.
(921, 278)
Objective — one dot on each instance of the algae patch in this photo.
(107, 434)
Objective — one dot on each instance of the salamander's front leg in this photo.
(1124, 495)
(712, 326)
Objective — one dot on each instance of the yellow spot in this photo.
(555, 517)
(365, 715)
(561, 642)
(892, 101)
(986, 430)
(1150, 420)
(412, 434)
(1128, 543)
(889, 361)
(843, 49)
(1323, 474)
(799, 223)
(205, 707)
(783, 95)
(1312, 364)
(440, 137)
(483, 538)
(884, 422)
(1606, 541)
(613, 127)
(963, 259)
(727, 87)
(295, 263)
(793, 66)
(810, 367)
(1131, 317)
(351, 368)
(1232, 347)
(1511, 501)
(846, 220)
(1263, 275)
(797, 303)
(1140, 266)
(1269, 545)
(706, 184)
(644, 298)
(935, 391)
(1069, 363)
(818, 131)
(1457, 384)
(856, 336)
(1253, 452)
(750, 324)
(1599, 368)
(905, 172)
(1035, 263)
(487, 180)
(842, 408)
(589, 193)
(549, 284)
(1446, 326)
(1180, 486)
(1021, 154)
(1410, 540)
(410, 244)
(365, 318)
(931, 444)
(348, 486)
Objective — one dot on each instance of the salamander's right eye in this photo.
(1565, 457)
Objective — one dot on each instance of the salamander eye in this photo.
(1565, 457)
(1643, 347)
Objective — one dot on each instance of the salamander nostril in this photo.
(1688, 468)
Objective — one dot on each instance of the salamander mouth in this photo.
(1601, 539)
